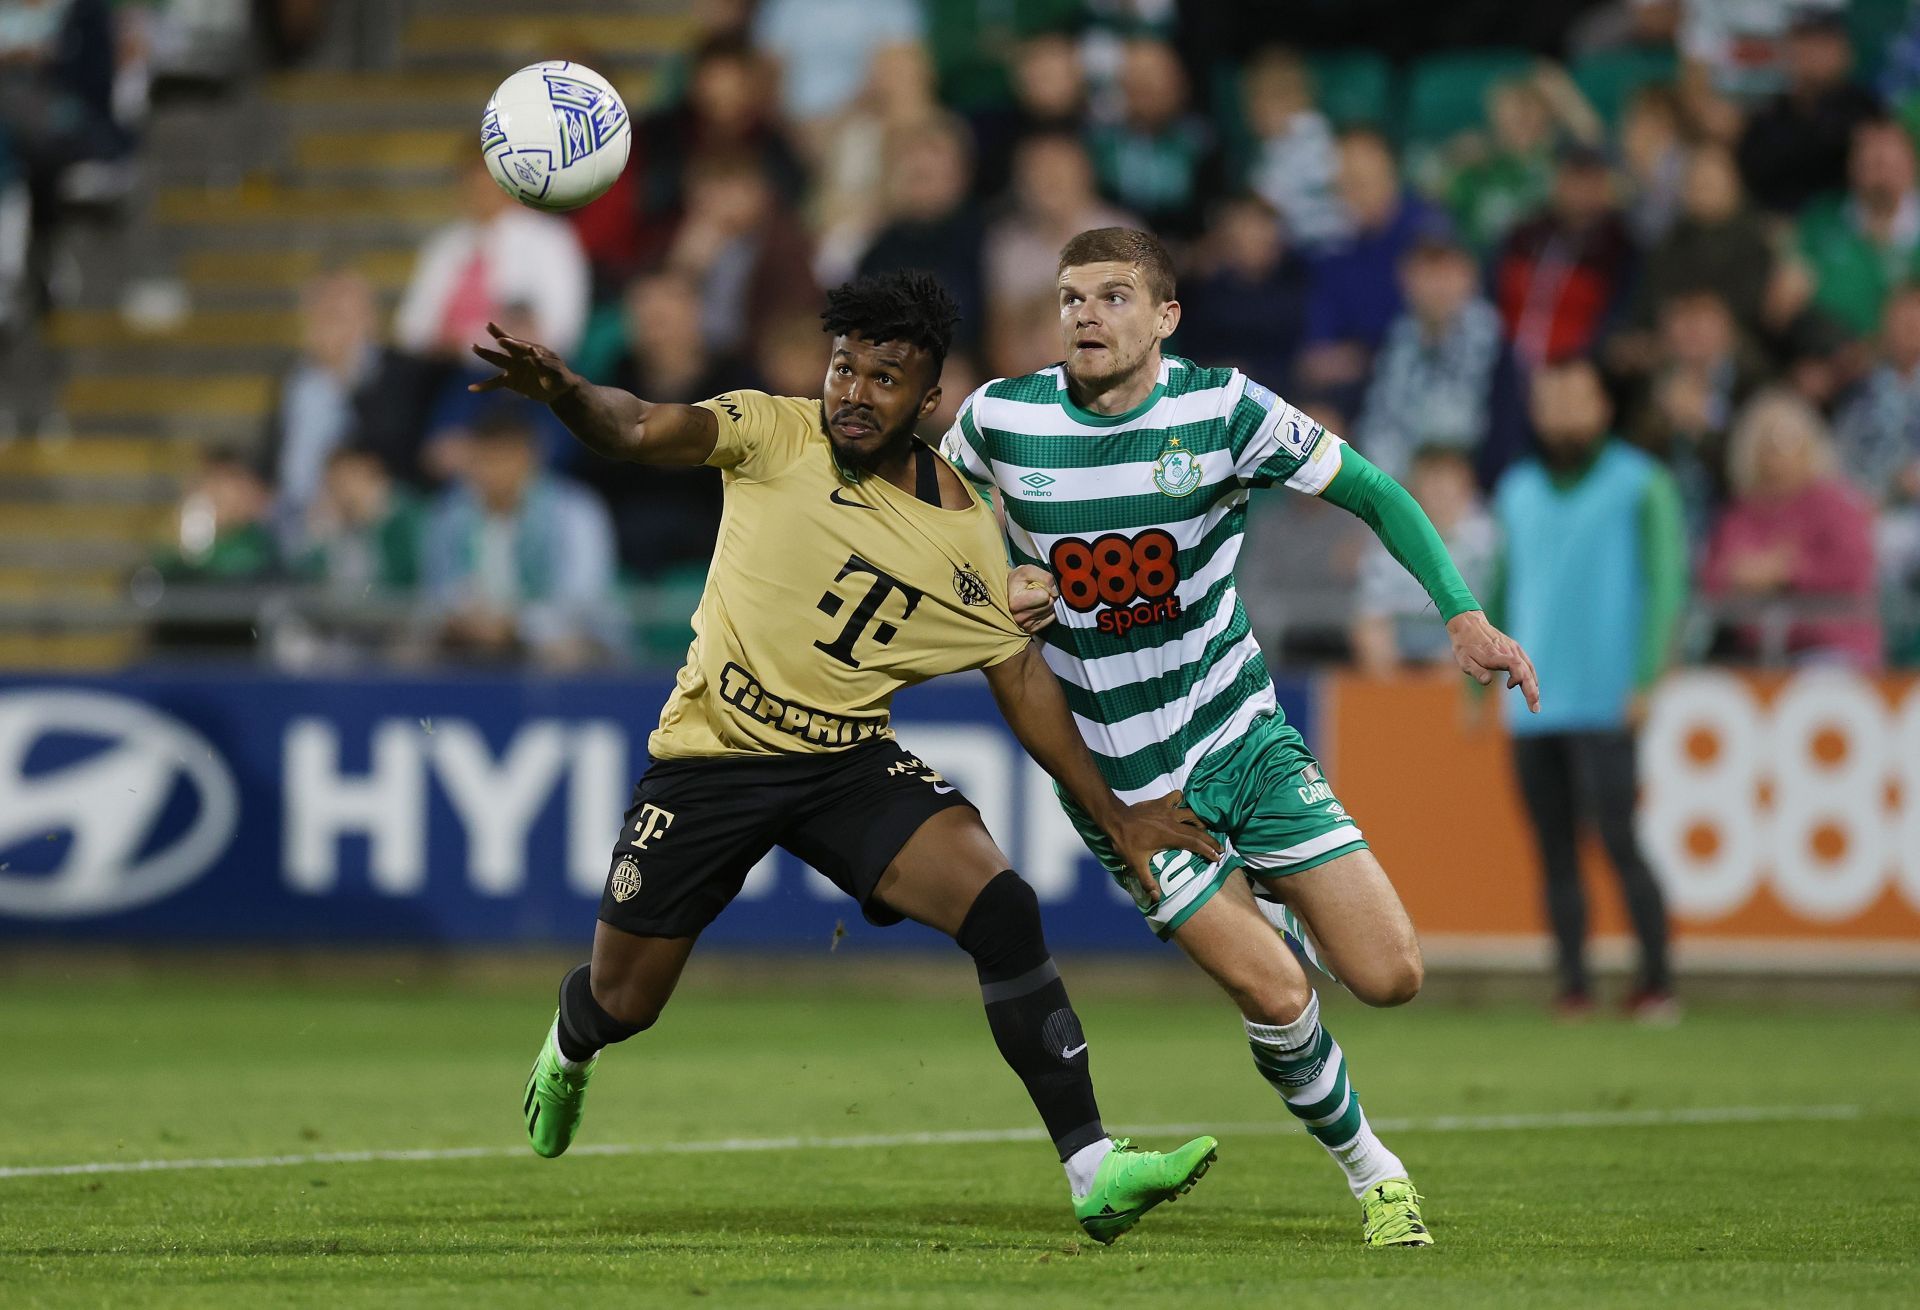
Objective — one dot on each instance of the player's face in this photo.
(876, 393)
(1110, 323)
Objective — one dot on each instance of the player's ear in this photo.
(1169, 320)
(930, 401)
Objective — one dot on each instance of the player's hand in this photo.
(1483, 651)
(1161, 824)
(525, 366)
(1031, 592)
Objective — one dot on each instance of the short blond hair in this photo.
(1776, 415)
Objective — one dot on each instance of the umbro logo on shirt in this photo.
(1036, 484)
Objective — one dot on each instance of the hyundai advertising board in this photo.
(167, 808)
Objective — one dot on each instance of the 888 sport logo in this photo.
(1130, 580)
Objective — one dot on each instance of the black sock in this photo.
(1027, 1007)
(584, 1026)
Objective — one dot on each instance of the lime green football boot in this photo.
(556, 1097)
(1129, 1183)
(1391, 1215)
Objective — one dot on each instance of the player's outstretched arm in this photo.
(1033, 705)
(608, 421)
(1481, 650)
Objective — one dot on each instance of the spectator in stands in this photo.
(1160, 159)
(1795, 531)
(1291, 157)
(1558, 276)
(728, 110)
(520, 562)
(1354, 294)
(1393, 619)
(1445, 376)
(363, 533)
(16, 230)
(1795, 146)
(1706, 374)
(1054, 200)
(850, 200)
(1718, 245)
(665, 517)
(1592, 575)
(1246, 304)
(57, 64)
(343, 388)
(1049, 95)
(1878, 432)
(932, 223)
(1742, 48)
(787, 362)
(1653, 159)
(1861, 244)
(1878, 437)
(497, 254)
(1528, 117)
(825, 49)
(748, 254)
(224, 533)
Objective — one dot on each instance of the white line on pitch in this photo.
(1451, 1123)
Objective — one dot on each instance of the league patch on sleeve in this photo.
(1297, 433)
(1260, 396)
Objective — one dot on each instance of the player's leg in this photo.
(1604, 767)
(1359, 926)
(1543, 765)
(1233, 943)
(695, 829)
(904, 844)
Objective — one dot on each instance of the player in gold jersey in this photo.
(851, 562)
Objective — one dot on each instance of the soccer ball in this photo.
(555, 135)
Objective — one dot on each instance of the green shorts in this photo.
(1263, 798)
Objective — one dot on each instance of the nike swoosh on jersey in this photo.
(1072, 1051)
(834, 496)
(942, 788)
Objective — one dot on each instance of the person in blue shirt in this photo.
(1591, 576)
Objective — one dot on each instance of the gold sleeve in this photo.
(759, 435)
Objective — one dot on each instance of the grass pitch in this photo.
(1615, 1202)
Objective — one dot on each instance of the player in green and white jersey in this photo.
(1124, 475)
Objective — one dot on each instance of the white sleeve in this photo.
(965, 445)
(416, 324)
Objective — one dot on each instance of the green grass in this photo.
(1761, 1214)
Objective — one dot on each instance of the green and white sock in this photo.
(1305, 1065)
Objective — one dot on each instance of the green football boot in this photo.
(1391, 1215)
(556, 1096)
(1129, 1183)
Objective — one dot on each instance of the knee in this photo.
(1274, 1002)
(1003, 923)
(626, 1001)
(1392, 981)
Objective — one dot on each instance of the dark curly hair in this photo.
(908, 305)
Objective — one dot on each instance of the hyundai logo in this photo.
(109, 803)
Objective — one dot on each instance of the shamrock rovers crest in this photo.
(1177, 471)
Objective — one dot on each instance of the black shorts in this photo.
(698, 826)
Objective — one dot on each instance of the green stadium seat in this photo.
(1610, 78)
(1872, 24)
(1353, 86)
(1446, 93)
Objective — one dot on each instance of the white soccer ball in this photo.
(555, 135)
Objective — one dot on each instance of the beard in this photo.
(864, 458)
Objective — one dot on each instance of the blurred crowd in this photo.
(1710, 202)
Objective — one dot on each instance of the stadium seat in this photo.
(1609, 78)
(1873, 24)
(1354, 86)
(1446, 93)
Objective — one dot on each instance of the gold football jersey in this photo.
(825, 596)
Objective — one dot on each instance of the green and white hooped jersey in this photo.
(1140, 516)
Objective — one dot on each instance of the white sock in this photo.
(1083, 1164)
(1366, 1161)
(571, 1066)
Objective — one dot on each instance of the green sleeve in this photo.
(1663, 552)
(1403, 528)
